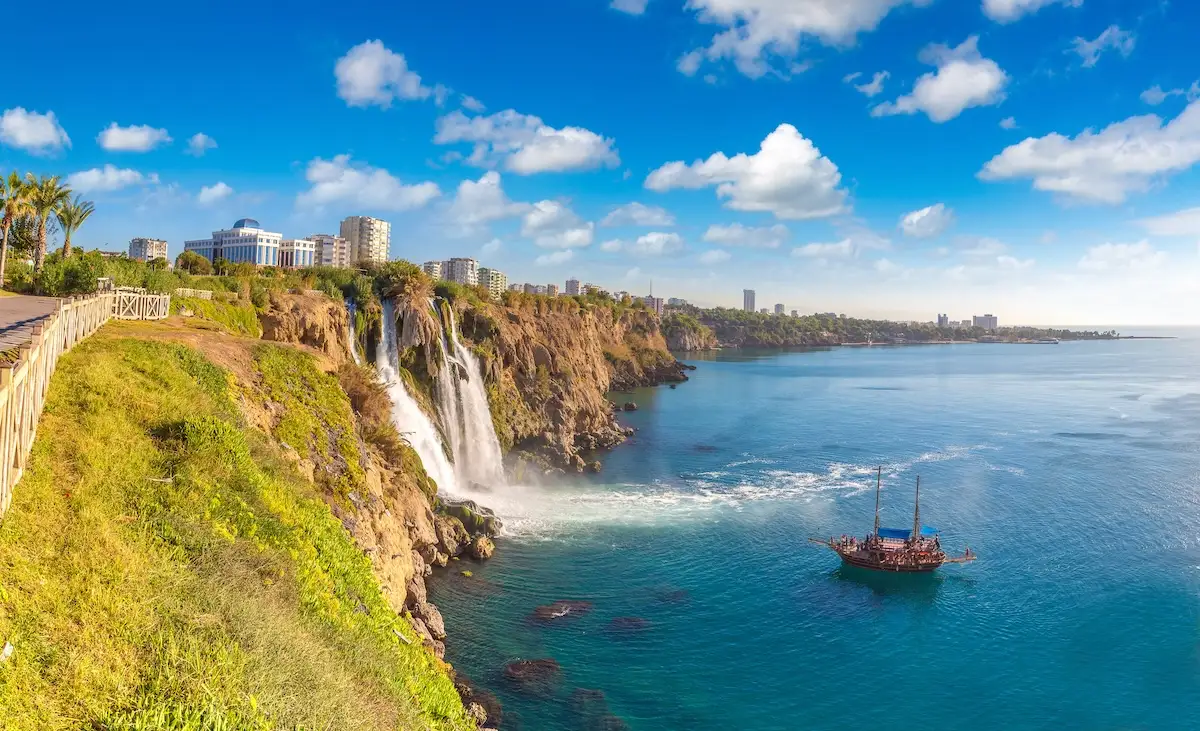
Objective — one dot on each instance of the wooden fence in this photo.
(24, 382)
(203, 294)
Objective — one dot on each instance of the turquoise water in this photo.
(1072, 470)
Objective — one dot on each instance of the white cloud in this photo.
(558, 257)
(479, 202)
(1122, 257)
(472, 104)
(633, 7)
(1104, 166)
(755, 31)
(765, 237)
(612, 245)
(689, 63)
(1155, 95)
(1006, 11)
(656, 243)
(107, 179)
(843, 249)
(37, 134)
(200, 143)
(963, 79)
(441, 93)
(210, 194)
(1180, 223)
(371, 74)
(491, 247)
(1113, 38)
(788, 177)
(1008, 123)
(982, 247)
(714, 256)
(525, 143)
(872, 87)
(343, 181)
(552, 225)
(134, 138)
(638, 214)
(928, 222)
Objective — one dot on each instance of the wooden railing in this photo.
(202, 294)
(25, 381)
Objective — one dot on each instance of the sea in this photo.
(1071, 470)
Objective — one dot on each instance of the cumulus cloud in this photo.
(843, 249)
(1006, 11)
(1104, 166)
(765, 237)
(1122, 257)
(633, 7)
(612, 245)
(982, 247)
(134, 138)
(1008, 123)
(638, 214)
(1180, 223)
(755, 32)
(525, 144)
(788, 177)
(1156, 95)
(714, 256)
(1112, 39)
(557, 257)
(200, 143)
(491, 247)
(210, 194)
(479, 202)
(371, 74)
(472, 104)
(35, 133)
(345, 182)
(107, 179)
(872, 87)
(963, 79)
(656, 243)
(552, 225)
(927, 222)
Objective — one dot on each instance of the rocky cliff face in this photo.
(309, 318)
(684, 334)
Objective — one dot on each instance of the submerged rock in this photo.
(536, 677)
(560, 610)
(595, 466)
(673, 596)
(630, 406)
(591, 708)
(473, 695)
(482, 548)
(628, 625)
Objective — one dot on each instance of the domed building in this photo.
(245, 241)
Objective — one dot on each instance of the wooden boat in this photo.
(918, 550)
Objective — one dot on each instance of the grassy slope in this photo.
(232, 317)
(227, 598)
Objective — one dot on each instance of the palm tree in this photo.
(14, 203)
(46, 195)
(71, 214)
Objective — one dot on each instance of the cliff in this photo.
(685, 333)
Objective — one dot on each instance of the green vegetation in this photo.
(166, 568)
(232, 317)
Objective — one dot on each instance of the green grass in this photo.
(231, 317)
(163, 567)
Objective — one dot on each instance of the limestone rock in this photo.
(482, 548)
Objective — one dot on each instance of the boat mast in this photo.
(878, 483)
(917, 511)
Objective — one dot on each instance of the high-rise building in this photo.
(573, 287)
(795, 313)
(332, 251)
(589, 288)
(552, 290)
(246, 241)
(943, 320)
(676, 302)
(297, 253)
(369, 239)
(748, 300)
(433, 269)
(539, 289)
(778, 309)
(463, 271)
(494, 279)
(530, 288)
(516, 288)
(764, 311)
(653, 303)
(987, 322)
(147, 249)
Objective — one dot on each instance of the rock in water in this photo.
(452, 535)
(560, 610)
(591, 709)
(482, 548)
(476, 519)
(630, 406)
(536, 677)
(628, 625)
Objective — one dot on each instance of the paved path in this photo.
(19, 314)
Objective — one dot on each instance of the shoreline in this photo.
(815, 346)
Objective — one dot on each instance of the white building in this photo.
(943, 320)
(246, 241)
(748, 300)
(573, 287)
(987, 322)
(369, 239)
(147, 249)
(795, 313)
(297, 253)
(778, 309)
(433, 269)
(552, 290)
(332, 251)
(495, 280)
(677, 302)
(654, 303)
(463, 271)
(516, 288)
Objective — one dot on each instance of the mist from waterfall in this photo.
(350, 333)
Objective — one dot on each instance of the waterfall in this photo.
(350, 333)
(466, 418)
(412, 423)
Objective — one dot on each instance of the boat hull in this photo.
(891, 568)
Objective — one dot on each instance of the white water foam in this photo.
(350, 333)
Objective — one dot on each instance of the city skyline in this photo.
(891, 160)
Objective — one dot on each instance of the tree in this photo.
(71, 214)
(46, 195)
(14, 204)
(221, 265)
(193, 263)
(158, 264)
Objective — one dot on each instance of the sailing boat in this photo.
(918, 550)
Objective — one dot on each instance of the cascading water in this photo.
(350, 333)
(466, 417)
(410, 420)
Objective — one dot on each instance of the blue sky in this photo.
(876, 157)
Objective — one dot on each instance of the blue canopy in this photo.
(897, 533)
(928, 530)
